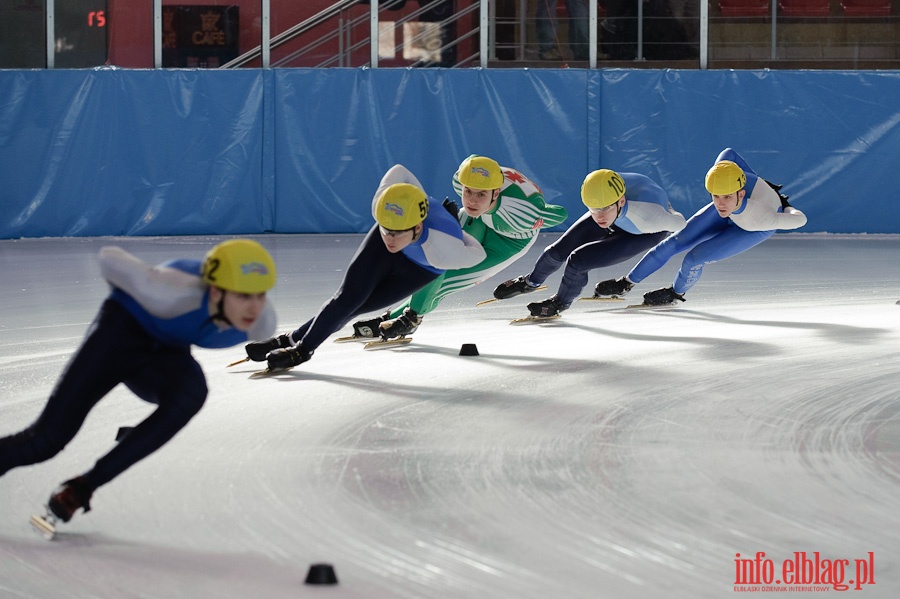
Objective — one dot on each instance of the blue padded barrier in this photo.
(177, 152)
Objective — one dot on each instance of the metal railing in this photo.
(716, 37)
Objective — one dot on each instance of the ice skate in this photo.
(594, 298)
(550, 307)
(365, 330)
(45, 525)
(71, 496)
(382, 343)
(514, 287)
(612, 289)
(284, 359)
(258, 350)
(660, 298)
(534, 319)
(403, 325)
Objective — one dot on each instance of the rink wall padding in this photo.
(185, 152)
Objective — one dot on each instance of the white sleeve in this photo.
(396, 174)
(791, 218)
(674, 221)
(163, 292)
(447, 252)
(652, 218)
(264, 327)
(761, 213)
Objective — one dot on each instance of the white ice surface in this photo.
(611, 453)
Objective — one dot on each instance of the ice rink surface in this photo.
(610, 454)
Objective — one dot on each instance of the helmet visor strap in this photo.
(394, 232)
(607, 209)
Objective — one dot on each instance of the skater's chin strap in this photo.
(418, 234)
(220, 310)
(618, 211)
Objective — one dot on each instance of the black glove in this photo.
(774, 186)
(452, 207)
(781, 196)
(613, 287)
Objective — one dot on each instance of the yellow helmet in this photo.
(480, 172)
(240, 265)
(602, 188)
(725, 178)
(401, 206)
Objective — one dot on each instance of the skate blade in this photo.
(386, 343)
(494, 299)
(238, 362)
(612, 298)
(44, 525)
(259, 374)
(353, 338)
(530, 319)
(651, 307)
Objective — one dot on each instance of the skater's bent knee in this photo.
(33, 447)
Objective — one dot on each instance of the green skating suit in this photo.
(506, 232)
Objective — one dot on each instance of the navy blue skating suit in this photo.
(377, 279)
(142, 337)
(646, 219)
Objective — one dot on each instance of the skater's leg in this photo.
(730, 242)
(99, 364)
(174, 381)
(375, 279)
(703, 225)
(617, 247)
(370, 263)
(584, 231)
(501, 252)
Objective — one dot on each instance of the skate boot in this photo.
(613, 287)
(288, 357)
(403, 325)
(547, 308)
(662, 297)
(258, 350)
(514, 287)
(70, 496)
(370, 328)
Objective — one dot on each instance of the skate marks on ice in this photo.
(767, 423)
(835, 331)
